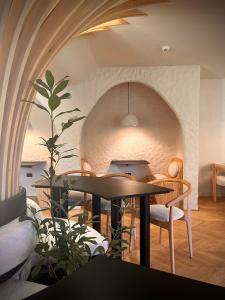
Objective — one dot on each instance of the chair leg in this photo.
(160, 235)
(189, 234)
(171, 242)
(214, 182)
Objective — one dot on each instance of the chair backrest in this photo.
(81, 172)
(175, 168)
(84, 165)
(172, 198)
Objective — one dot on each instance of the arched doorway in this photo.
(157, 138)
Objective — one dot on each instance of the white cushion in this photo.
(32, 203)
(220, 179)
(17, 240)
(161, 213)
(173, 169)
(99, 239)
(14, 289)
(159, 176)
(90, 231)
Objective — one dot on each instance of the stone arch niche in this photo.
(179, 87)
(157, 138)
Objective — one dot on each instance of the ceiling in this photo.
(195, 30)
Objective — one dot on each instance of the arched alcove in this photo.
(177, 85)
(157, 138)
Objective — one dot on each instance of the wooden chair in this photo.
(165, 213)
(218, 178)
(174, 170)
(106, 206)
(77, 197)
(85, 166)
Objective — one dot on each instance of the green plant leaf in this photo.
(38, 105)
(68, 156)
(64, 78)
(53, 102)
(41, 90)
(68, 150)
(70, 122)
(49, 78)
(42, 83)
(65, 96)
(46, 173)
(66, 112)
(61, 86)
(25, 218)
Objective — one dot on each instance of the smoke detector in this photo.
(165, 48)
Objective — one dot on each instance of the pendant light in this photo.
(130, 120)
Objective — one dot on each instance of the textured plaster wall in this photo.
(157, 138)
(212, 132)
(179, 86)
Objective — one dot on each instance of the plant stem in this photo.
(51, 177)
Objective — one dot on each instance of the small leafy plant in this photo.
(63, 245)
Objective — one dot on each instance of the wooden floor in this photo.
(208, 229)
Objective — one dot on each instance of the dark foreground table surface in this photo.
(110, 279)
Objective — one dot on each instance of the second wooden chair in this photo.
(166, 212)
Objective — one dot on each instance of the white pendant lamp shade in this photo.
(130, 120)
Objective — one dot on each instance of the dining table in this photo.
(107, 278)
(115, 191)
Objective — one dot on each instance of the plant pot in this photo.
(43, 276)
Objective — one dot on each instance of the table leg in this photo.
(57, 195)
(96, 211)
(144, 231)
(116, 218)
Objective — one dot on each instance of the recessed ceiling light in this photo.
(165, 48)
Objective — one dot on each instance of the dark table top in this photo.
(107, 278)
(108, 188)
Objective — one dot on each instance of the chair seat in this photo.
(161, 213)
(105, 205)
(220, 179)
(77, 198)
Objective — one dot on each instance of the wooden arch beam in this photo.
(31, 34)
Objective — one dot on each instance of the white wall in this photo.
(157, 138)
(179, 86)
(38, 126)
(211, 128)
(211, 131)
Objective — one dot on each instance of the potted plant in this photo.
(62, 245)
